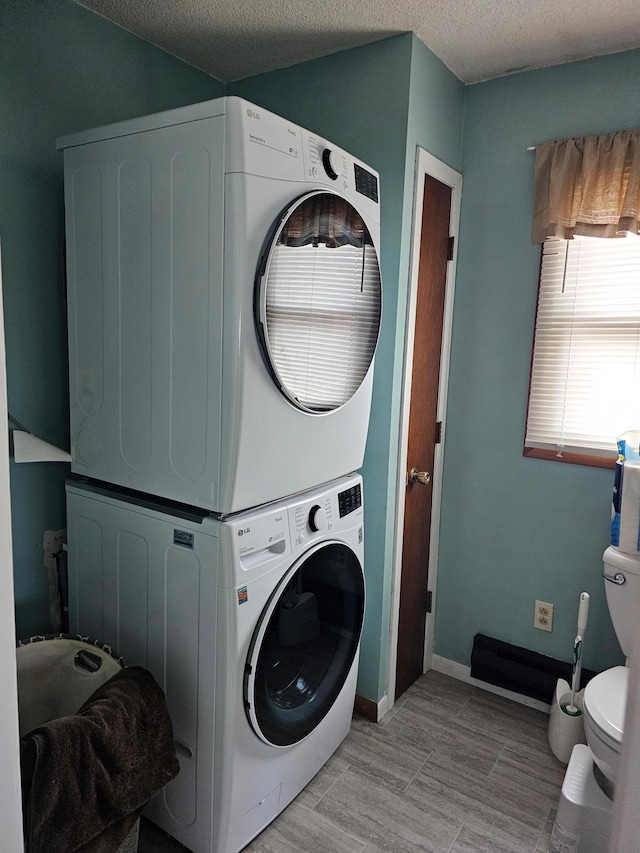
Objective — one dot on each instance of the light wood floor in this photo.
(451, 769)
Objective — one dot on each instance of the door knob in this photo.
(423, 477)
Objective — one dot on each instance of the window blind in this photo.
(585, 377)
(322, 315)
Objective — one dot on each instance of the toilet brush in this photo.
(583, 612)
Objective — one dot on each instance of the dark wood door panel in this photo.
(422, 435)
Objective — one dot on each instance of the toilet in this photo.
(605, 696)
(585, 813)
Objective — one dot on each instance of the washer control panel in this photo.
(255, 541)
(265, 534)
(312, 517)
(325, 514)
(349, 500)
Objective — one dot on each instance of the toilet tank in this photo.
(623, 596)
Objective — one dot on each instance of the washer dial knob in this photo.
(317, 518)
(328, 165)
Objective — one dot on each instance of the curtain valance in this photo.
(588, 185)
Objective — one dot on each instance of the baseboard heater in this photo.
(520, 670)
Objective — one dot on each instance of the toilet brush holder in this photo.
(565, 729)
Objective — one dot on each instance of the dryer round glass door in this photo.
(318, 302)
(305, 644)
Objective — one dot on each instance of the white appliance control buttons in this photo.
(317, 518)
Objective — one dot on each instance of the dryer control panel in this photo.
(327, 165)
(256, 541)
(259, 142)
(366, 182)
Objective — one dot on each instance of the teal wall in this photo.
(378, 102)
(62, 69)
(513, 529)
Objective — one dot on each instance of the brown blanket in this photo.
(86, 778)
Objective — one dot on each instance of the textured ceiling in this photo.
(476, 39)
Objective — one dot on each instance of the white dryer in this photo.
(251, 625)
(224, 305)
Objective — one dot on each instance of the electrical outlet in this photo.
(543, 616)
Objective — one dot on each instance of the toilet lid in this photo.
(605, 699)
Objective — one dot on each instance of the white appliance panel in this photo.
(144, 242)
(264, 144)
(278, 449)
(273, 147)
(153, 597)
(258, 780)
(167, 218)
(207, 584)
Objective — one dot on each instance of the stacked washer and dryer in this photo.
(224, 310)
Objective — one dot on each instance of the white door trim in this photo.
(426, 164)
(10, 789)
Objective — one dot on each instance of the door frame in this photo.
(426, 164)
(10, 789)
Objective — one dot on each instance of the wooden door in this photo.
(423, 430)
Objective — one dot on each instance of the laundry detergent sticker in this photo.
(243, 595)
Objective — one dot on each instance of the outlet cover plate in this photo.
(543, 616)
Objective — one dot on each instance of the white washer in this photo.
(251, 625)
(224, 305)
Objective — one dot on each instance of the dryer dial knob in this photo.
(328, 165)
(317, 518)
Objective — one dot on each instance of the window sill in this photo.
(571, 458)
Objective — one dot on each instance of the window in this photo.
(585, 375)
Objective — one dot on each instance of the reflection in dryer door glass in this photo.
(309, 645)
(321, 302)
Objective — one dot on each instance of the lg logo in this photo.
(253, 114)
(243, 530)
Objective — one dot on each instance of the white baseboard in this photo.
(463, 673)
(383, 706)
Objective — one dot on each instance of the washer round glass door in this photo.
(318, 302)
(305, 644)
